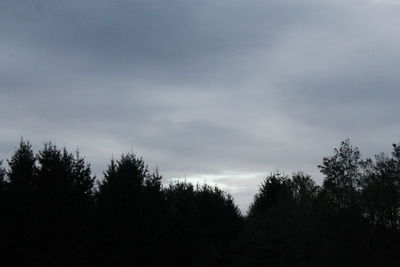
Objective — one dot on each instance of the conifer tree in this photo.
(22, 170)
(130, 205)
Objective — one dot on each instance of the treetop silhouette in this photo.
(54, 212)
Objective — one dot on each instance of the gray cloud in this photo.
(223, 89)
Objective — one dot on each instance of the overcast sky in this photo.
(222, 91)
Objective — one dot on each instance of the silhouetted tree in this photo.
(381, 205)
(275, 189)
(343, 173)
(19, 206)
(202, 223)
(4, 216)
(22, 169)
(48, 202)
(381, 190)
(130, 205)
(3, 182)
(347, 237)
(279, 230)
(63, 204)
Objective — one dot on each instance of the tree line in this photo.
(54, 212)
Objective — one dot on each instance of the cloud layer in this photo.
(220, 90)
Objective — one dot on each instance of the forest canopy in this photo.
(54, 212)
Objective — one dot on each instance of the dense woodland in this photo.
(54, 212)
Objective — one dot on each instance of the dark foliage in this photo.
(202, 221)
(53, 213)
(130, 219)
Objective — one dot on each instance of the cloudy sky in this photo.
(222, 91)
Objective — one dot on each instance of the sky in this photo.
(215, 91)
